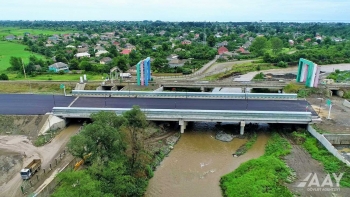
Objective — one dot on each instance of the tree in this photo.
(135, 123)
(77, 183)
(101, 138)
(85, 65)
(16, 64)
(4, 77)
(211, 41)
(276, 45)
(258, 46)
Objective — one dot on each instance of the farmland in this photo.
(8, 49)
(5, 31)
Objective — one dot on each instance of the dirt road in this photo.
(21, 145)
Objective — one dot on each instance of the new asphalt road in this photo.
(33, 104)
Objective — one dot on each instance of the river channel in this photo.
(195, 165)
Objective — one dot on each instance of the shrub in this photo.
(4, 77)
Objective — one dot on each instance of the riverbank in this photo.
(268, 172)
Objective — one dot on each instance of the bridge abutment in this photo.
(242, 127)
(183, 125)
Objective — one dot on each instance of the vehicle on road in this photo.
(31, 169)
(125, 75)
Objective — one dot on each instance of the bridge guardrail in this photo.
(195, 115)
(205, 95)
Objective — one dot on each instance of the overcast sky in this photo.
(177, 10)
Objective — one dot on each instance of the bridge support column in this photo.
(183, 125)
(202, 89)
(243, 90)
(242, 127)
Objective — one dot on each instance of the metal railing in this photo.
(195, 115)
(189, 95)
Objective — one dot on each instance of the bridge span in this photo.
(166, 109)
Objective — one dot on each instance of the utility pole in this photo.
(25, 76)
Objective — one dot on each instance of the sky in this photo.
(178, 10)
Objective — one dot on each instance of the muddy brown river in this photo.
(195, 165)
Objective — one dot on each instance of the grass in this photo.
(284, 50)
(42, 88)
(317, 151)
(245, 147)
(56, 77)
(5, 31)
(8, 49)
(264, 176)
(241, 69)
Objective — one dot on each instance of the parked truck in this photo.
(31, 169)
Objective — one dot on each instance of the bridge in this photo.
(187, 95)
(233, 84)
(185, 116)
(182, 110)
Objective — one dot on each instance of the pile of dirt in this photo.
(21, 125)
(10, 163)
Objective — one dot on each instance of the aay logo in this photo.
(313, 183)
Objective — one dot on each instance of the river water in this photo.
(195, 165)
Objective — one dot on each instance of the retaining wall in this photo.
(338, 138)
(323, 140)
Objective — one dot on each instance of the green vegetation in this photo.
(9, 49)
(268, 173)
(259, 76)
(240, 69)
(16, 31)
(340, 76)
(301, 90)
(252, 137)
(119, 165)
(330, 163)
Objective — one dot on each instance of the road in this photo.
(40, 104)
(31, 104)
(21, 144)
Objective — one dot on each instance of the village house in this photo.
(80, 55)
(58, 66)
(105, 60)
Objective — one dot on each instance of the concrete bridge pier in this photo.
(183, 125)
(202, 89)
(242, 127)
(243, 90)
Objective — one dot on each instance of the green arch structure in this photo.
(308, 72)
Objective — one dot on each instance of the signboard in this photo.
(61, 86)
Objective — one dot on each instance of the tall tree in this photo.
(211, 41)
(258, 46)
(135, 123)
(276, 45)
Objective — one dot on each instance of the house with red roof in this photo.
(126, 51)
(222, 50)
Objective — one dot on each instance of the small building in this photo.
(10, 37)
(58, 66)
(105, 60)
(185, 42)
(222, 50)
(126, 51)
(98, 53)
(177, 63)
(80, 55)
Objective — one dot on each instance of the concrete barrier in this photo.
(338, 138)
(323, 140)
(346, 103)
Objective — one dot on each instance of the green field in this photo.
(8, 49)
(57, 77)
(5, 31)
